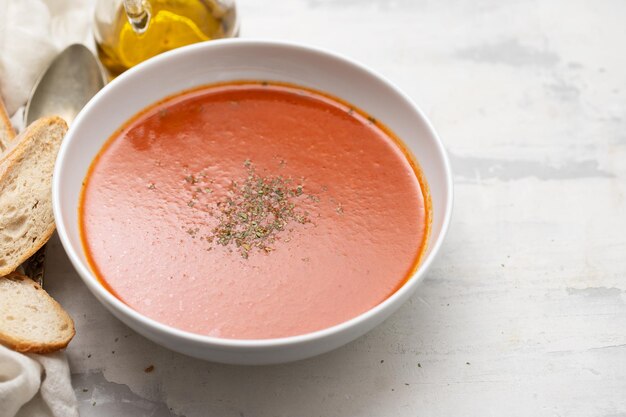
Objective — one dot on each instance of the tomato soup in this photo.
(252, 210)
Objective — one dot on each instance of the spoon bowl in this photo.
(66, 86)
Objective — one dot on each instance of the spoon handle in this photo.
(34, 267)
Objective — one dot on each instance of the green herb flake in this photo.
(256, 210)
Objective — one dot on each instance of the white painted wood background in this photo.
(524, 312)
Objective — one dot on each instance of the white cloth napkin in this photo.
(32, 33)
(35, 385)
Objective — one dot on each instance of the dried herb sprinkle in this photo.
(256, 210)
(253, 212)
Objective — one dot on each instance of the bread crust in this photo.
(38, 244)
(29, 346)
(11, 158)
(7, 133)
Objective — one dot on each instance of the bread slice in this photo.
(26, 219)
(30, 320)
(7, 134)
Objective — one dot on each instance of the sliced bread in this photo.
(6, 129)
(26, 220)
(30, 320)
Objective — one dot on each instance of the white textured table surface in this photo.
(524, 312)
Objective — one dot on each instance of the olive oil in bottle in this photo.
(132, 31)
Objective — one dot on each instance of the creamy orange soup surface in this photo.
(252, 210)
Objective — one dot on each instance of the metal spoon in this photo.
(62, 90)
(66, 86)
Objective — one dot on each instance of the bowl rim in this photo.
(92, 282)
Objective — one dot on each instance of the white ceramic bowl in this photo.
(238, 59)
